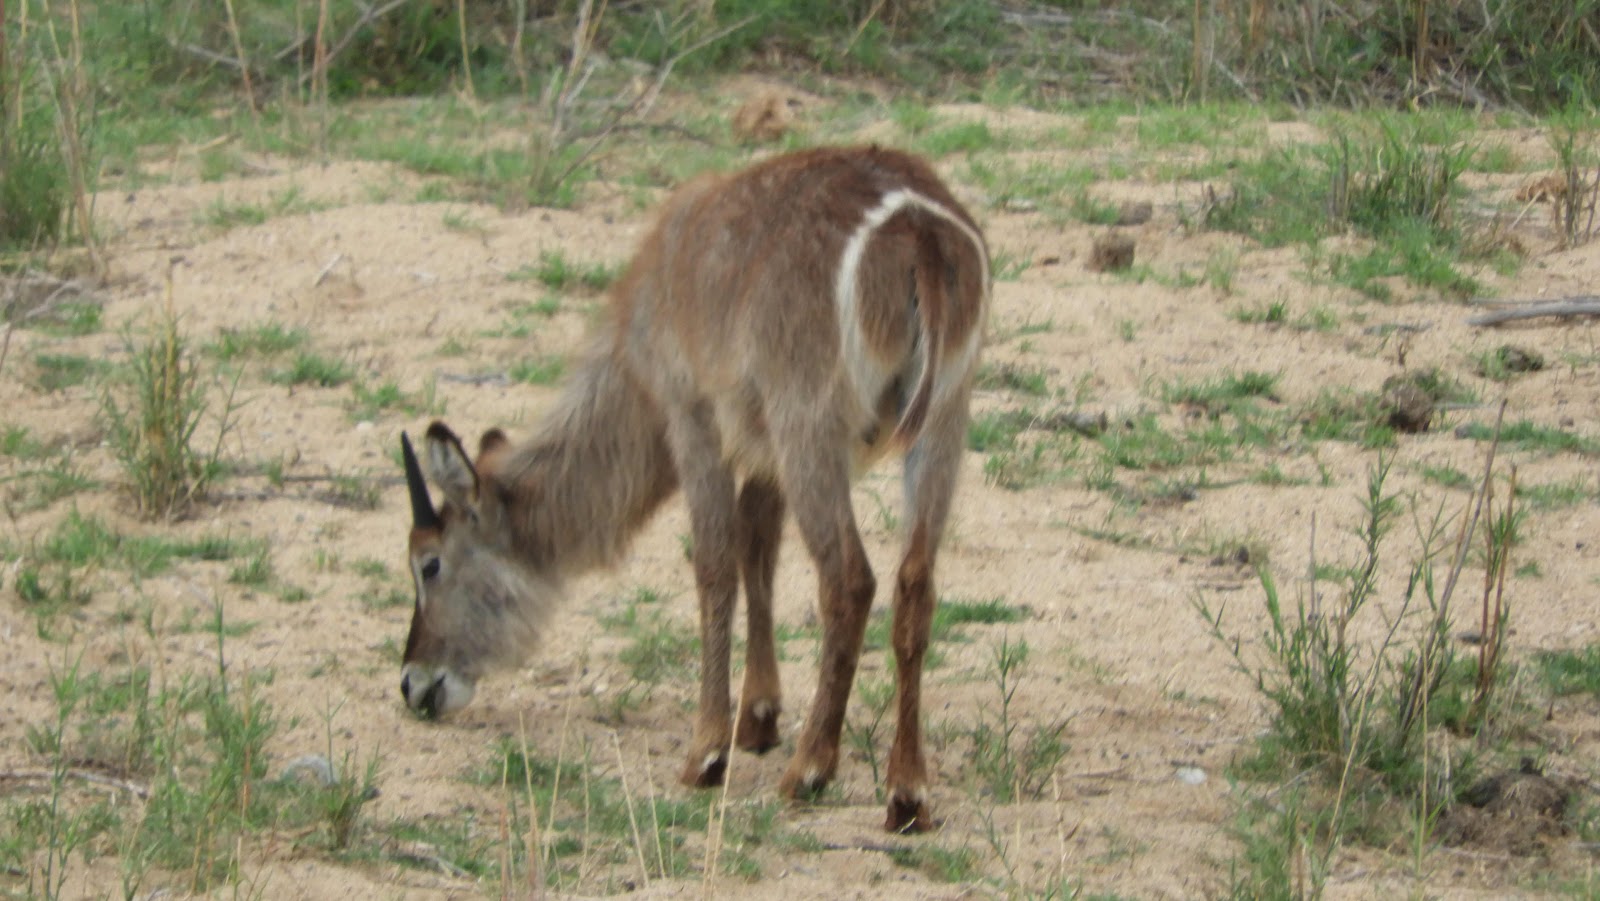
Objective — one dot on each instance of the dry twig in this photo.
(33, 295)
(90, 776)
(368, 16)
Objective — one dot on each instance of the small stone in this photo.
(1191, 775)
(314, 766)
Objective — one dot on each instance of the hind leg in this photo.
(930, 475)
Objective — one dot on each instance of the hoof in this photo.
(705, 771)
(806, 786)
(909, 816)
(758, 728)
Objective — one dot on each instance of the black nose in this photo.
(405, 688)
(429, 708)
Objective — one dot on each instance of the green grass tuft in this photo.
(556, 272)
(313, 369)
(538, 370)
(154, 426)
(267, 339)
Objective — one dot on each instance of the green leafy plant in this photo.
(1033, 381)
(963, 137)
(309, 368)
(1274, 313)
(193, 750)
(556, 272)
(1008, 763)
(1578, 196)
(267, 339)
(1527, 435)
(538, 370)
(1394, 187)
(338, 795)
(997, 430)
(861, 732)
(1225, 394)
(47, 128)
(1357, 713)
(58, 372)
(58, 569)
(589, 819)
(154, 428)
(371, 401)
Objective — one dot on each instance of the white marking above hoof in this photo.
(919, 796)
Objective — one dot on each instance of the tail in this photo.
(933, 310)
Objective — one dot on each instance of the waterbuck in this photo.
(778, 330)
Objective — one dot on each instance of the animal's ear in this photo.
(449, 467)
(492, 440)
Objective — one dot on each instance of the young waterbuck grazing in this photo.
(778, 331)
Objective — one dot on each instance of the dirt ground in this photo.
(1141, 804)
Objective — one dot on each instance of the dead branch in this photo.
(210, 56)
(419, 853)
(32, 295)
(323, 275)
(1585, 305)
(368, 16)
(639, 106)
(90, 776)
(668, 128)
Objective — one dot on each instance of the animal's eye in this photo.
(430, 568)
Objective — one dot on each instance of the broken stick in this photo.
(1587, 305)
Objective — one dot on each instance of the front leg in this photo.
(846, 592)
(760, 530)
(819, 489)
(708, 488)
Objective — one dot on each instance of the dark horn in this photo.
(423, 516)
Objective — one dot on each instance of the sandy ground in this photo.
(1141, 805)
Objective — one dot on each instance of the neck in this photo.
(594, 474)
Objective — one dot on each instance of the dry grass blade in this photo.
(633, 818)
(717, 821)
(466, 50)
(74, 98)
(244, 64)
(534, 840)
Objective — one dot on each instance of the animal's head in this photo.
(478, 600)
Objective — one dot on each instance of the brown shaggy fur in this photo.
(778, 330)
